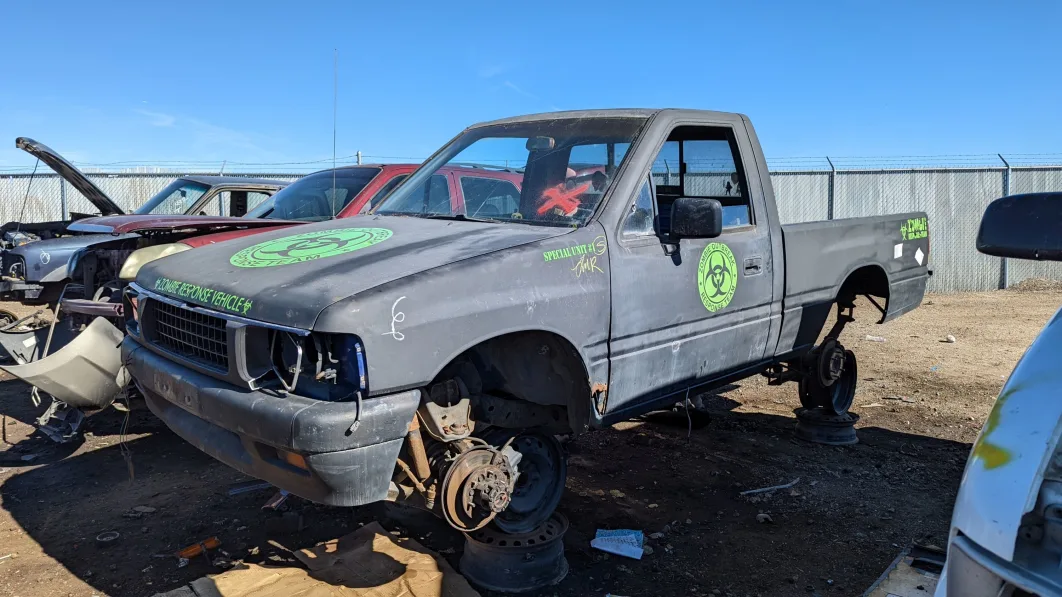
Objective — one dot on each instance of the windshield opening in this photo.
(552, 172)
(177, 198)
(310, 199)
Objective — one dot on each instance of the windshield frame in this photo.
(447, 153)
(158, 198)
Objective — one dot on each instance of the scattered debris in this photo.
(616, 493)
(107, 538)
(772, 487)
(196, 549)
(277, 501)
(656, 536)
(875, 338)
(762, 518)
(248, 486)
(285, 524)
(143, 509)
(906, 399)
(622, 542)
(873, 405)
(8, 556)
(29, 457)
(949, 339)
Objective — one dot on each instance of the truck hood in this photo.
(70, 174)
(289, 276)
(168, 223)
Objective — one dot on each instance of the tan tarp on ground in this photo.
(366, 563)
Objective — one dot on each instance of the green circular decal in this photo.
(309, 246)
(716, 276)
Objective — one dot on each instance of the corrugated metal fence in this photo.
(954, 199)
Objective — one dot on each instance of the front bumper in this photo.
(20, 289)
(245, 429)
(973, 571)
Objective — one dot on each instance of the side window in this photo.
(430, 198)
(711, 171)
(255, 198)
(639, 220)
(699, 161)
(490, 197)
(384, 190)
(218, 205)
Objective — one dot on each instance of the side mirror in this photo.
(693, 217)
(1023, 226)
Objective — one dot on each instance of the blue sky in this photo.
(160, 82)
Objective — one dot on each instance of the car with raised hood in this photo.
(76, 360)
(431, 355)
(1006, 528)
(35, 256)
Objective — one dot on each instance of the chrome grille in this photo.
(193, 335)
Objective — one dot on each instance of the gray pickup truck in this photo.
(431, 353)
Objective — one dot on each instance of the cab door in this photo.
(686, 311)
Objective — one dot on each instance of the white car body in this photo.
(1006, 530)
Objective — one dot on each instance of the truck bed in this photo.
(821, 256)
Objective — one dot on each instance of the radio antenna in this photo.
(335, 100)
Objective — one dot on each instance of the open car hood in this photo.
(147, 223)
(71, 174)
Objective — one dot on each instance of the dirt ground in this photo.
(922, 402)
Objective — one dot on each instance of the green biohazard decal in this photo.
(309, 246)
(716, 276)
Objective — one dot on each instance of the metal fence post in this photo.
(1004, 273)
(62, 199)
(829, 192)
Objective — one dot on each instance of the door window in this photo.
(640, 218)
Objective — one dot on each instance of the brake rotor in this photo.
(477, 486)
(831, 363)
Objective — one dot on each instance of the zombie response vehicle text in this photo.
(429, 354)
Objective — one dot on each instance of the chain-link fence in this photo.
(953, 198)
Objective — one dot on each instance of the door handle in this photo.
(753, 266)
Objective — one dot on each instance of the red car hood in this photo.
(145, 223)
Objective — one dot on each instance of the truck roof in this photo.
(217, 181)
(611, 113)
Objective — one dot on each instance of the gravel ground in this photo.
(922, 401)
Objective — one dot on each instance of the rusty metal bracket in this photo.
(447, 423)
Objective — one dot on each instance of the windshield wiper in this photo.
(457, 217)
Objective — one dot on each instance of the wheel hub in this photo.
(477, 486)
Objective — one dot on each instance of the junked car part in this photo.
(82, 373)
(515, 563)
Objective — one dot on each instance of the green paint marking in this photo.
(204, 296)
(914, 228)
(309, 246)
(993, 455)
(716, 276)
(592, 249)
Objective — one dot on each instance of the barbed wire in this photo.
(790, 163)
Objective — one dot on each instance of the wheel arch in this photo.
(536, 364)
